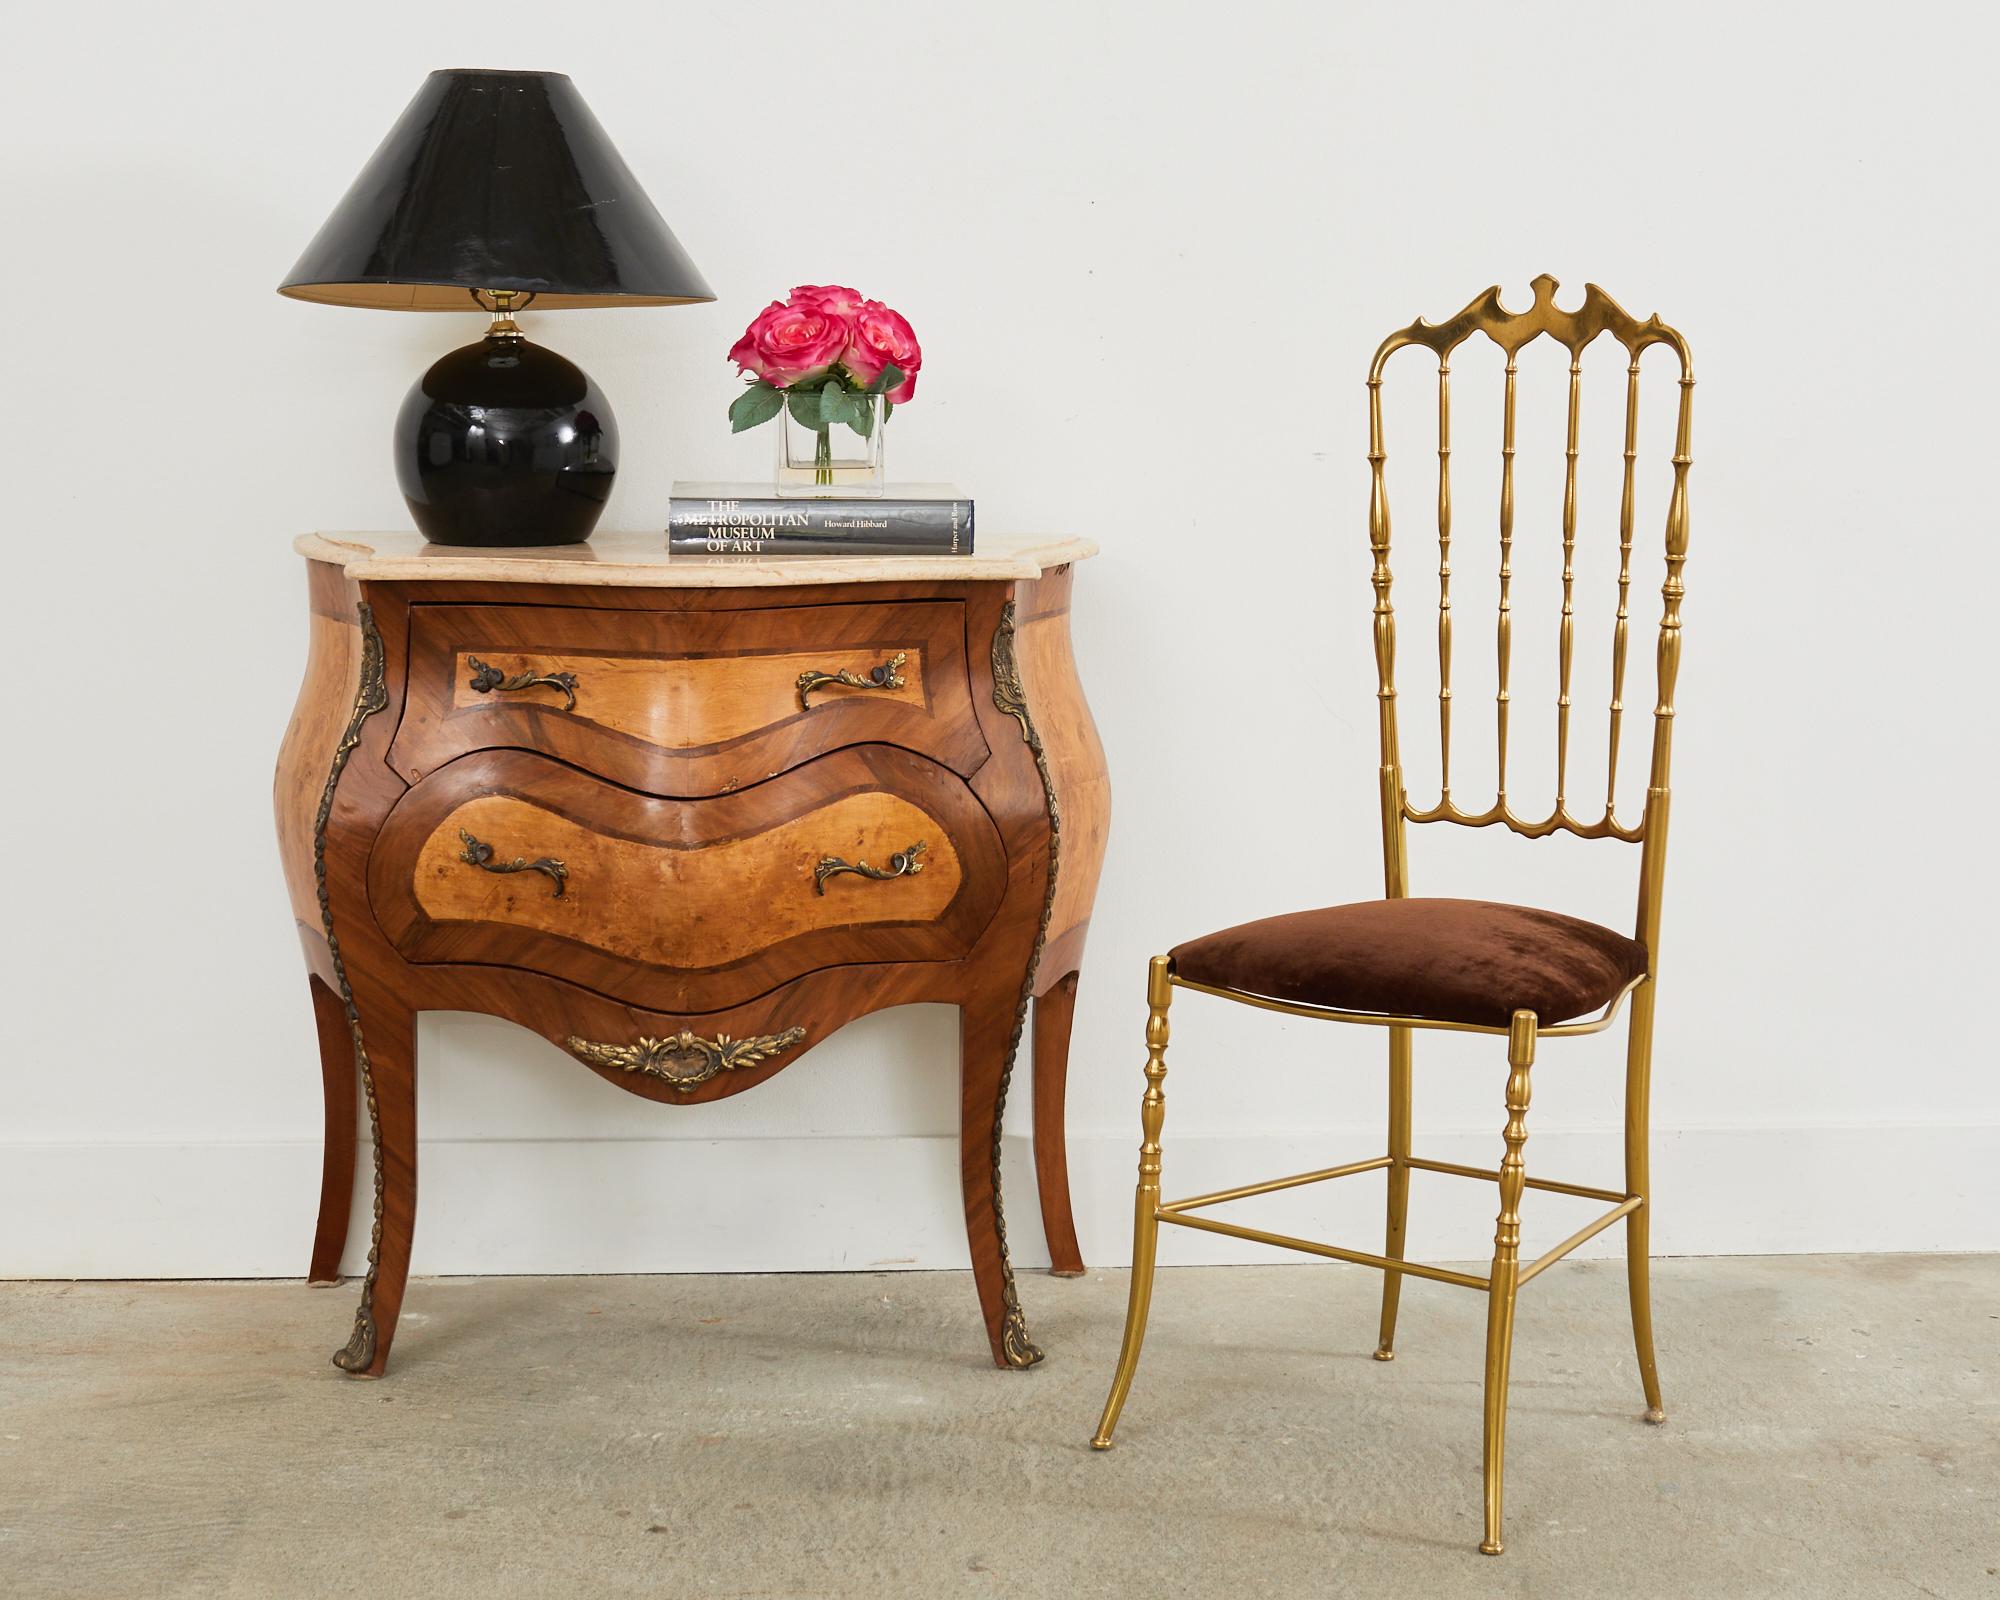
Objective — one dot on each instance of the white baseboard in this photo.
(178, 1210)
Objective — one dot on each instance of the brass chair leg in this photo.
(1638, 1180)
(1399, 1185)
(1506, 1267)
(1145, 1204)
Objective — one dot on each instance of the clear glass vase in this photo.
(840, 459)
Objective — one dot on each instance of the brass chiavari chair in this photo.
(1460, 965)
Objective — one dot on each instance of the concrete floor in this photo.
(1834, 1431)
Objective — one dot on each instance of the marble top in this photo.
(640, 560)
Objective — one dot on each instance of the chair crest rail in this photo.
(1598, 315)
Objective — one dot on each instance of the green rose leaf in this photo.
(804, 404)
(862, 417)
(890, 377)
(755, 405)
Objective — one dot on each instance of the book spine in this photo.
(702, 542)
(797, 526)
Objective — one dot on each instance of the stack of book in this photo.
(728, 519)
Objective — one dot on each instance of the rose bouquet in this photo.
(828, 357)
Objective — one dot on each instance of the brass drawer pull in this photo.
(479, 854)
(684, 1060)
(886, 676)
(491, 680)
(903, 864)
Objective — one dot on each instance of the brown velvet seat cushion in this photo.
(1447, 960)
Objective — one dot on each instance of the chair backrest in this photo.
(1511, 331)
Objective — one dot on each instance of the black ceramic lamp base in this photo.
(504, 443)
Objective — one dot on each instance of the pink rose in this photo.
(790, 342)
(828, 297)
(881, 339)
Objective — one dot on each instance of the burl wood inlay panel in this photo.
(686, 904)
(689, 794)
(680, 904)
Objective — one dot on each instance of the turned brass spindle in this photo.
(1653, 821)
(1393, 802)
(1506, 627)
(1504, 1278)
(1566, 644)
(1671, 591)
(1620, 628)
(1444, 578)
(1385, 613)
(1145, 1199)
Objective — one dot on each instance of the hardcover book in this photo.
(748, 519)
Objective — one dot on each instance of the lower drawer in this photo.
(867, 855)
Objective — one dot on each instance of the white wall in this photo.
(1149, 250)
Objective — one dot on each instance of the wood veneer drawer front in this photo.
(687, 702)
(508, 858)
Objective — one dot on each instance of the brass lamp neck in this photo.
(502, 307)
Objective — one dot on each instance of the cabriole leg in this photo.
(1054, 1011)
(1146, 1202)
(1399, 1185)
(387, 1052)
(989, 1033)
(1638, 1181)
(1506, 1267)
(336, 1180)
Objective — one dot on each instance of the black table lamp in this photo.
(499, 190)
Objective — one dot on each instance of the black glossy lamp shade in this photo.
(500, 182)
(495, 180)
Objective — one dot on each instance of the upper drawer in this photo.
(687, 702)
